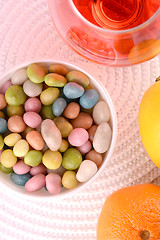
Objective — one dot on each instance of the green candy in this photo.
(72, 159)
(15, 95)
(78, 77)
(36, 73)
(1, 142)
(46, 112)
(55, 80)
(33, 158)
(5, 170)
(15, 110)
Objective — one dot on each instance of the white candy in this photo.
(32, 89)
(19, 77)
(51, 134)
(86, 171)
(101, 112)
(102, 138)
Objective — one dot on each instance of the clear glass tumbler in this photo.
(110, 32)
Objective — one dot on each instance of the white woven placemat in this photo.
(26, 32)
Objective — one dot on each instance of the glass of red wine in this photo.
(111, 32)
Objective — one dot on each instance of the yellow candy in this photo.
(64, 146)
(8, 159)
(12, 139)
(88, 87)
(52, 159)
(1, 142)
(69, 180)
(63, 125)
(49, 95)
(21, 148)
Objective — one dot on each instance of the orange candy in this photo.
(72, 110)
(95, 157)
(16, 124)
(92, 131)
(3, 102)
(83, 120)
(35, 139)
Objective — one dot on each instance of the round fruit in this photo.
(149, 122)
(131, 213)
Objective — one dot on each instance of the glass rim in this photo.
(129, 30)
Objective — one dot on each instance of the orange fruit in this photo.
(131, 213)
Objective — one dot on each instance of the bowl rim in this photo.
(68, 193)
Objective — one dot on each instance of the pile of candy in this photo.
(53, 128)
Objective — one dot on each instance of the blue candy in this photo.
(20, 179)
(89, 99)
(59, 106)
(73, 90)
(3, 125)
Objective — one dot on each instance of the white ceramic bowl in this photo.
(5, 178)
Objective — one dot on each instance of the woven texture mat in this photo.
(27, 33)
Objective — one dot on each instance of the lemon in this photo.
(149, 122)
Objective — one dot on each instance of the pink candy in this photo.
(21, 168)
(78, 137)
(53, 183)
(85, 148)
(32, 119)
(33, 105)
(35, 183)
(5, 86)
(38, 169)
